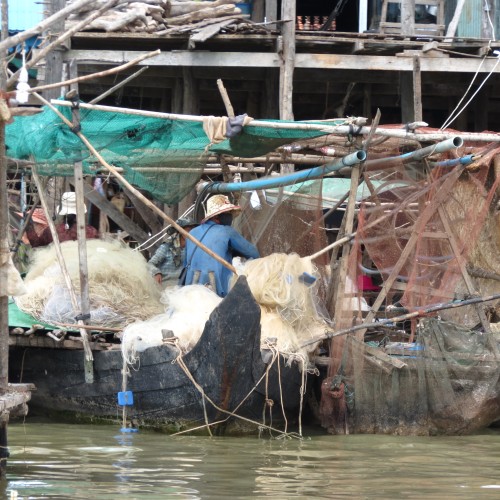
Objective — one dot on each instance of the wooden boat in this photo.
(227, 364)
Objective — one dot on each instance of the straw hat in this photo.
(219, 204)
(68, 204)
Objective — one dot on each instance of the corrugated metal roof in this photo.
(24, 14)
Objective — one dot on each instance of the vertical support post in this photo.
(269, 104)
(4, 223)
(4, 255)
(190, 106)
(271, 10)
(54, 59)
(417, 90)
(80, 225)
(287, 53)
(411, 93)
(408, 17)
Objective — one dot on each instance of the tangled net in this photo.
(121, 289)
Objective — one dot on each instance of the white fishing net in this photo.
(187, 310)
(285, 287)
(120, 288)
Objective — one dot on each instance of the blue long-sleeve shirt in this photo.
(225, 242)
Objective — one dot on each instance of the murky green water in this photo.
(50, 460)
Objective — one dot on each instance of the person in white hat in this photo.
(216, 233)
(66, 229)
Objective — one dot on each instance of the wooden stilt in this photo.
(287, 67)
(62, 264)
(81, 224)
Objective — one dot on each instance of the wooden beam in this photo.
(114, 214)
(148, 216)
(333, 62)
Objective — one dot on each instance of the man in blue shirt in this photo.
(216, 233)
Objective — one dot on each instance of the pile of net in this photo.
(187, 310)
(284, 286)
(121, 289)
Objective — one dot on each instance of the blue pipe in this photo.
(287, 180)
(464, 160)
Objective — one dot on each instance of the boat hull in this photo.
(226, 364)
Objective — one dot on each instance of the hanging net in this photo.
(164, 157)
(426, 234)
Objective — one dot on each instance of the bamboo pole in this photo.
(398, 319)
(137, 193)
(303, 126)
(62, 264)
(107, 72)
(118, 86)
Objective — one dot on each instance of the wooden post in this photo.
(411, 94)
(417, 90)
(4, 225)
(80, 225)
(269, 104)
(271, 11)
(287, 53)
(4, 255)
(190, 101)
(408, 17)
(54, 60)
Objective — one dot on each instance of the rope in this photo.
(227, 412)
(454, 116)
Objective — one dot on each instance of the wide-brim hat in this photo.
(219, 204)
(68, 204)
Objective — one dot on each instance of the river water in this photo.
(69, 461)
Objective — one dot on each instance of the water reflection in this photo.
(82, 462)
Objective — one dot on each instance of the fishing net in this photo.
(121, 289)
(426, 234)
(180, 318)
(164, 157)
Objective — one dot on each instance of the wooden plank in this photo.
(271, 60)
(48, 343)
(114, 214)
(208, 32)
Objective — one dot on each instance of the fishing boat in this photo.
(225, 379)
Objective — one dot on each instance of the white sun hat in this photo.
(219, 204)
(68, 204)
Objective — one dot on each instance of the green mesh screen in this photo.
(163, 157)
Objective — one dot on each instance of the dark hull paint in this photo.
(226, 362)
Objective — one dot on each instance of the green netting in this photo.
(161, 156)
